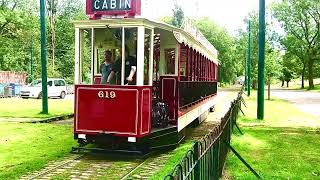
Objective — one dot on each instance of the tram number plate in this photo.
(107, 94)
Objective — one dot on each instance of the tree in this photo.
(52, 11)
(301, 21)
(178, 15)
(272, 67)
(230, 66)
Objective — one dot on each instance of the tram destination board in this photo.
(113, 7)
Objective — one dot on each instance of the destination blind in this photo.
(111, 5)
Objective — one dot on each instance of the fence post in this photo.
(196, 161)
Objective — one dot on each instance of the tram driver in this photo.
(130, 68)
(107, 68)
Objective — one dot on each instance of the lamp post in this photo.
(31, 60)
(43, 59)
(262, 28)
(249, 59)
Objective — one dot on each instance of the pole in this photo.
(43, 58)
(31, 60)
(249, 59)
(260, 110)
(246, 75)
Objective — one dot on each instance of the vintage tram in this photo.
(174, 82)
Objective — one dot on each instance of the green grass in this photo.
(28, 147)
(296, 85)
(175, 156)
(285, 145)
(31, 108)
(278, 113)
(276, 153)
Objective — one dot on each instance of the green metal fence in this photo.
(206, 159)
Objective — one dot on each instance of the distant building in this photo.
(13, 77)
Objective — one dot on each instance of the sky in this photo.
(226, 13)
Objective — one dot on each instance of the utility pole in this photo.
(31, 60)
(262, 28)
(246, 75)
(249, 58)
(43, 58)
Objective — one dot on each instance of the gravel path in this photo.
(308, 102)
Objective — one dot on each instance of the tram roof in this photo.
(195, 40)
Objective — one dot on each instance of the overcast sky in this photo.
(226, 13)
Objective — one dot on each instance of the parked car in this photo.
(56, 88)
(240, 80)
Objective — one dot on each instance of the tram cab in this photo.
(167, 65)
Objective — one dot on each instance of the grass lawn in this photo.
(174, 157)
(283, 146)
(296, 85)
(31, 108)
(28, 147)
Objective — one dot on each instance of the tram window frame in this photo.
(148, 57)
(83, 55)
(95, 53)
(106, 39)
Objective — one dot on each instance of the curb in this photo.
(49, 120)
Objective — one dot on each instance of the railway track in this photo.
(45, 172)
(88, 166)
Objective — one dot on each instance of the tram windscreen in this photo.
(108, 41)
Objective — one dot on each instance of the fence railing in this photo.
(206, 159)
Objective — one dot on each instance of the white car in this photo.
(56, 88)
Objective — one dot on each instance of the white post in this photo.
(151, 57)
(140, 56)
(123, 57)
(77, 57)
(92, 55)
(176, 73)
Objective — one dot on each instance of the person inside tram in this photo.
(107, 68)
(130, 67)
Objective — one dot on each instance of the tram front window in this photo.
(118, 56)
(111, 41)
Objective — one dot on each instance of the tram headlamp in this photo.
(81, 136)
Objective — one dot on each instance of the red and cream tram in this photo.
(174, 83)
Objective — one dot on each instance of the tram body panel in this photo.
(116, 110)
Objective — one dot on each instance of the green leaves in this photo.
(301, 22)
(230, 66)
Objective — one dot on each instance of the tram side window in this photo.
(183, 63)
(85, 56)
(170, 60)
(147, 55)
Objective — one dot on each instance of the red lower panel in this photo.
(113, 110)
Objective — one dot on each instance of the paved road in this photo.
(308, 102)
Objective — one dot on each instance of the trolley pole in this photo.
(262, 28)
(43, 58)
(249, 59)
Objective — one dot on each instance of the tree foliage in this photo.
(230, 66)
(301, 22)
(178, 16)
(20, 36)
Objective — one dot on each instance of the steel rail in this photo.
(56, 167)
